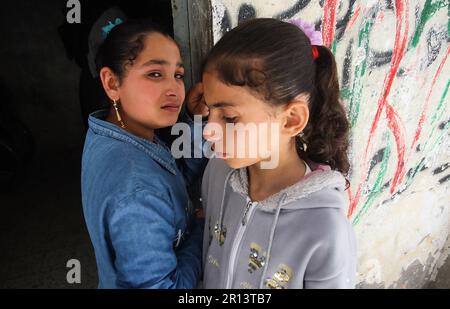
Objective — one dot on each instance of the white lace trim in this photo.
(315, 181)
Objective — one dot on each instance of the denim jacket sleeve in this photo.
(193, 167)
(142, 231)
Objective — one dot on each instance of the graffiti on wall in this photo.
(392, 59)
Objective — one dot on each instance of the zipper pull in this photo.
(247, 208)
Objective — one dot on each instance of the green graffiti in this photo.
(440, 108)
(333, 47)
(345, 93)
(428, 147)
(360, 71)
(429, 9)
(448, 21)
(437, 115)
(379, 182)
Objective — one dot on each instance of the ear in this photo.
(296, 115)
(110, 83)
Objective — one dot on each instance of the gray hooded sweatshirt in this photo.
(299, 237)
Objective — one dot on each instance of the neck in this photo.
(290, 170)
(131, 126)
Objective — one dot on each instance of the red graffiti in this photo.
(398, 174)
(427, 101)
(353, 18)
(397, 128)
(329, 22)
(401, 37)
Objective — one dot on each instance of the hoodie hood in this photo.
(321, 177)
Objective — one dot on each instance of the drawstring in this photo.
(272, 231)
(272, 234)
(223, 200)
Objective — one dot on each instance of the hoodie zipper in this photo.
(249, 208)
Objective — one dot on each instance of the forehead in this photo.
(218, 95)
(215, 89)
(158, 46)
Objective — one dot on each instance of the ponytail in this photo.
(327, 131)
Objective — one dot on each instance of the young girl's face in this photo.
(152, 90)
(238, 106)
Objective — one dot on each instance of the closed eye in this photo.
(230, 119)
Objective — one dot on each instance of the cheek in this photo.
(152, 93)
(267, 139)
(146, 93)
(139, 92)
(181, 91)
(264, 142)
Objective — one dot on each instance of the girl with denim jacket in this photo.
(135, 202)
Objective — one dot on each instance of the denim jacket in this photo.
(138, 211)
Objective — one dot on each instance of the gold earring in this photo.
(116, 107)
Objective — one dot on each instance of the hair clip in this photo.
(315, 52)
(107, 29)
(315, 37)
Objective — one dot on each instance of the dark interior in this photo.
(47, 94)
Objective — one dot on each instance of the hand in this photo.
(199, 214)
(196, 104)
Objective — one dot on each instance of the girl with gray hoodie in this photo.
(275, 219)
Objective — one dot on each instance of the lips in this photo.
(171, 107)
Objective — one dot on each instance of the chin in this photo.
(239, 163)
(168, 121)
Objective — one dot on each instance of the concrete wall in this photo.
(392, 59)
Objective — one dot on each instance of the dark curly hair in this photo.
(124, 43)
(274, 60)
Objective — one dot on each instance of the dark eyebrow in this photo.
(160, 62)
(221, 104)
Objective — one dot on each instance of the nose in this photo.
(211, 132)
(175, 91)
(208, 135)
(172, 93)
